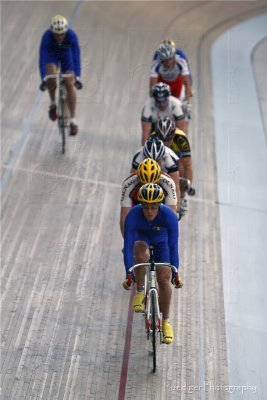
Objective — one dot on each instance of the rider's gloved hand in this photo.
(191, 191)
(42, 87)
(176, 281)
(128, 282)
(187, 109)
(78, 84)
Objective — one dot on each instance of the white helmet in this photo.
(166, 51)
(59, 25)
(154, 148)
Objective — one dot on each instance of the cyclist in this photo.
(148, 171)
(171, 68)
(177, 140)
(179, 52)
(168, 161)
(152, 223)
(162, 104)
(60, 45)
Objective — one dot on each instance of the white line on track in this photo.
(62, 176)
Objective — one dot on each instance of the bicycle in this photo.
(62, 107)
(153, 315)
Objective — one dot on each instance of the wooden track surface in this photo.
(64, 312)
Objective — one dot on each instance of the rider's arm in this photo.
(137, 158)
(76, 53)
(43, 54)
(146, 121)
(154, 75)
(128, 186)
(186, 159)
(178, 113)
(129, 238)
(168, 186)
(187, 85)
(146, 129)
(175, 178)
(124, 213)
(187, 167)
(171, 160)
(173, 236)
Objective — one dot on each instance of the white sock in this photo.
(73, 121)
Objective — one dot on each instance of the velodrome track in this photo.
(66, 329)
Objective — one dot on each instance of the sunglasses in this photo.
(162, 101)
(149, 207)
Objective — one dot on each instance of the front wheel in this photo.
(154, 330)
(61, 123)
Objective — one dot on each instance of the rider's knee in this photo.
(141, 252)
(163, 278)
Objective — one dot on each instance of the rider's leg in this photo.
(51, 69)
(165, 291)
(141, 255)
(71, 95)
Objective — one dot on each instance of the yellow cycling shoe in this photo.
(167, 332)
(138, 301)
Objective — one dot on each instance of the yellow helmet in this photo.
(148, 171)
(59, 25)
(150, 193)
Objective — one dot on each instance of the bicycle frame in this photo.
(153, 315)
(63, 113)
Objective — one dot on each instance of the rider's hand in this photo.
(128, 282)
(191, 191)
(78, 84)
(42, 87)
(187, 109)
(177, 282)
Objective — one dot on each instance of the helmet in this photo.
(169, 42)
(165, 128)
(59, 25)
(148, 171)
(166, 50)
(150, 193)
(154, 148)
(160, 91)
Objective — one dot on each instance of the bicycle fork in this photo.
(153, 292)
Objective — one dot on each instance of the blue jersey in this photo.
(162, 233)
(66, 53)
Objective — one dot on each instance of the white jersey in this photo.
(132, 184)
(151, 113)
(170, 74)
(168, 163)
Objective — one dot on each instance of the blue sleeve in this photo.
(155, 56)
(76, 54)
(173, 237)
(181, 54)
(43, 55)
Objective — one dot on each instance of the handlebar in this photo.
(54, 76)
(147, 264)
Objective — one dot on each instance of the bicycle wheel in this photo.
(154, 331)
